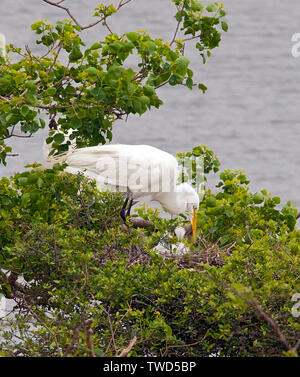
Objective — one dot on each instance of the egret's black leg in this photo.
(122, 213)
(129, 208)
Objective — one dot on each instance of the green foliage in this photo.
(94, 87)
(196, 165)
(236, 215)
(84, 283)
(90, 284)
(202, 27)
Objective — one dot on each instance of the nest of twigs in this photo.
(206, 252)
(212, 254)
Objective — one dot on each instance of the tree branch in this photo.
(73, 340)
(267, 317)
(122, 3)
(178, 23)
(58, 5)
(128, 349)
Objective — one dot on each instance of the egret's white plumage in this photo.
(138, 170)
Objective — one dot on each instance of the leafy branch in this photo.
(94, 88)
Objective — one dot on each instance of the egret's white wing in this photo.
(140, 168)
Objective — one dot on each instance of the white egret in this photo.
(138, 170)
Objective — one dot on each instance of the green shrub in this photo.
(91, 286)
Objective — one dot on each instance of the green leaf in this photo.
(149, 90)
(75, 54)
(30, 99)
(224, 25)
(51, 91)
(92, 71)
(181, 64)
(6, 289)
(211, 202)
(189, 83)
(31, 86)
(202, 87)
(59, 138)
(150, 47)
(76, 123)
(175, 79)
(95, 46)
(258, 198)
(25, 198)
(132, 36)
(211, 8)
(24, 110)
(40, 183)
(197, 5)
(42, 123)
(145, 100)
(22, 181)
(229, 213)
(98, 94)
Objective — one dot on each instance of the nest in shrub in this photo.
(212, 254)
(207, 252)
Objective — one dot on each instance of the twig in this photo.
(88, 334)
(128, 349)
(55, 59)
(71, 15)
(178, 23)
(73, 340)
(112, 339)
(106, 25)
(58, 5)
(122, 3)
(190, 38)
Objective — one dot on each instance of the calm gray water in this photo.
(250, 114)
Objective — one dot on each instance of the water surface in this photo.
(250, 114)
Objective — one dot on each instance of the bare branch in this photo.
(73, 340)
(122, 3)
(58, 5)
(88, 334)
(55, 58)
(178, 23)
(128, 349)
(191, 38)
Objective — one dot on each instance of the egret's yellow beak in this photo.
(194, 223)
